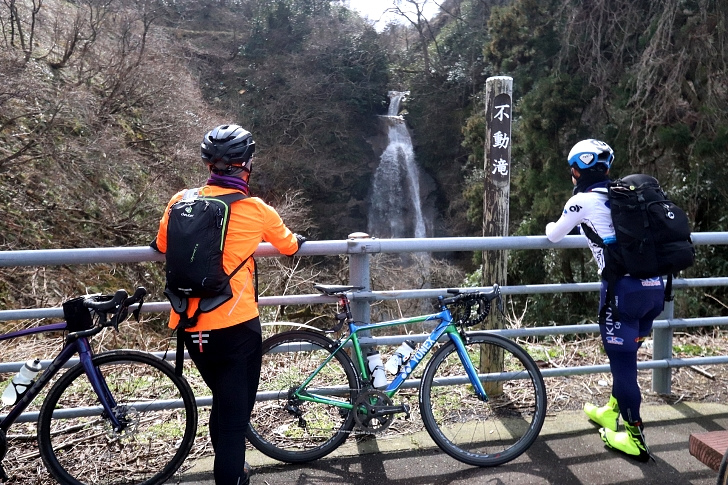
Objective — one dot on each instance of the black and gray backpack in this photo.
(652, 235)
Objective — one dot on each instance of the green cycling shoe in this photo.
(606, 416)
(630, 442)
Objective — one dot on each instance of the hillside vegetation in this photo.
(103, 104)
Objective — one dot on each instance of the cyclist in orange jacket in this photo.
(225, 344)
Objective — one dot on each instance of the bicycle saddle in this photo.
(336, 289)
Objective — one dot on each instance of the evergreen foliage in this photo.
(623, 71)
(100, 116)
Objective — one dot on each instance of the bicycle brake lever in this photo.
(119, 317)
(138, 310)
(138, 296)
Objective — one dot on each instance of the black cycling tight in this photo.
(229, 361)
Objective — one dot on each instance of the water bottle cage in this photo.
(373, 372)
(20, 393)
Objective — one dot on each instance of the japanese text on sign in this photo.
(501, 136)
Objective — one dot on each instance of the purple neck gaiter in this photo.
(228, 182)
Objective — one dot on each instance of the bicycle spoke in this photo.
(292, 429)
(82, 448)
(476, 432)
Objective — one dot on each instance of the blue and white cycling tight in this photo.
(639, 303)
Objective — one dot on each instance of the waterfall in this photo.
(396, 207)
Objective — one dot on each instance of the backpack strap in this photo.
(255, 272)
(229, 199)
(592, 236)
(179, 304)
(668, 289)
(179, 357)
(609, 276)
(609, 298)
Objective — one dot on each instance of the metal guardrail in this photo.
(359, 247)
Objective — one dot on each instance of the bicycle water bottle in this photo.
(21, 382)
(377, 369)
(400, 356)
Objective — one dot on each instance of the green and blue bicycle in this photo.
(482, 398)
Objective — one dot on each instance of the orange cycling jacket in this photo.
(251, 221)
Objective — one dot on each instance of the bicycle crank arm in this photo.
(378, 411)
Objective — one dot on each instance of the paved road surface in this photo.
(568, 452)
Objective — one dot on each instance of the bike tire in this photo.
(292, 430)
(723, 470)
(159, 407)
(478, 433)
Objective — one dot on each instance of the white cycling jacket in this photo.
(592, 209)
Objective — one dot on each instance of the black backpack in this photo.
(195, 241)
(652, 235)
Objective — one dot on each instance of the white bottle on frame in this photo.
(400, 356)
(21, 382)
(376, 367)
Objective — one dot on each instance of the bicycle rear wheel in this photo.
(472, 431)
(76, 439)
(288, 428)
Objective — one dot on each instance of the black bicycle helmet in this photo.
(228, 148)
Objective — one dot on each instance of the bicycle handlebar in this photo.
(465, 301)
(465, 295)
(103, 304)
(118, 305)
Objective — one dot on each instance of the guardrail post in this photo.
(359, 275)
(662, 349)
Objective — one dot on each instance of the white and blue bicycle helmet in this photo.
(591, 153)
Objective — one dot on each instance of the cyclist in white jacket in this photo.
(639, 301)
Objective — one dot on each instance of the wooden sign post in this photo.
(498, 115)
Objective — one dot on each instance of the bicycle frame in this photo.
(77, 343)
(446, 326)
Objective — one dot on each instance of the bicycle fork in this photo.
(98, 383)
(470, 369)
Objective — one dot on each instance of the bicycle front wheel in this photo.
(157, 409)
(298, 428)
(473, 431)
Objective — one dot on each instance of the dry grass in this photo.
(704, 384)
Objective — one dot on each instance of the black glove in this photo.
(300, 240)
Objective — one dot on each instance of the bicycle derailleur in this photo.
(375, 411)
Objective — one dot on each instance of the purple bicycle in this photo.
(117, 417)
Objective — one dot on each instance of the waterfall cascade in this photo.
(396, 208)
